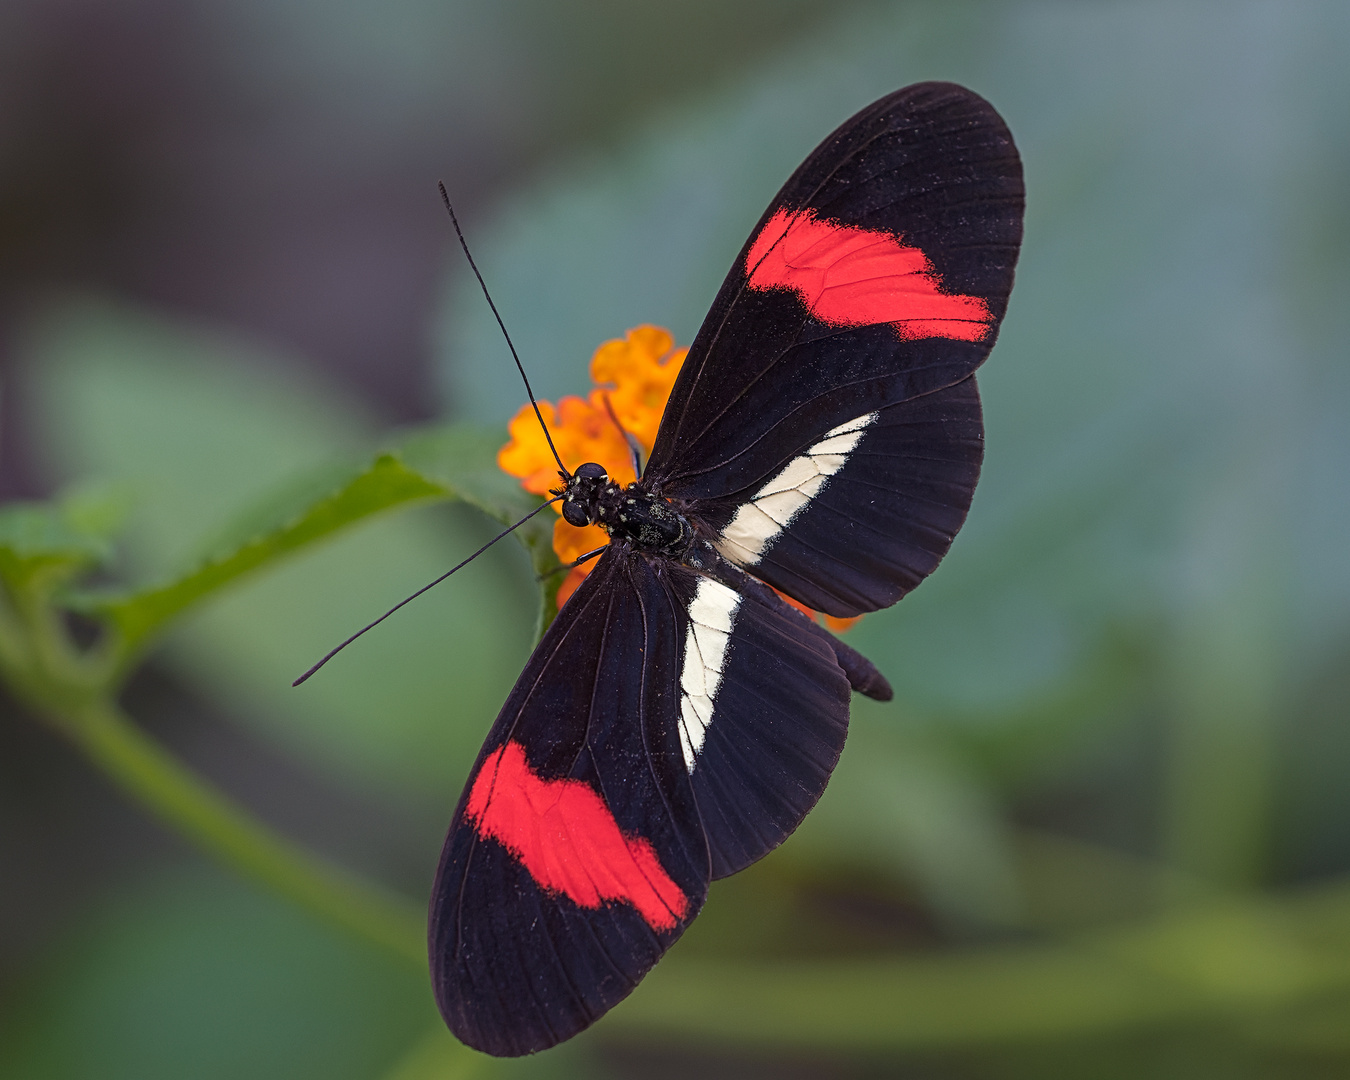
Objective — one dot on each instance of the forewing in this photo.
(576, 856)
(879, 274)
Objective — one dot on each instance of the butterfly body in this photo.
(679, 719)
(632, 515)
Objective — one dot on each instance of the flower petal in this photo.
(527, 454)
(570, 583)
(641, 370)
(572, 543)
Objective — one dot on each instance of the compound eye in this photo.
(591, 471)
(574, 514)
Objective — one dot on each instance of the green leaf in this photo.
(57, 540)
(194, 426)
(383, 484)
(34, 537)
(463, 458)
(454, 461)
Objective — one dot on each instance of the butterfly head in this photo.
(581, 494)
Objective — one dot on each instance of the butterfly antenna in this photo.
(505, 532)
(575, 562)
(445, 198)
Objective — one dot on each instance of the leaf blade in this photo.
(454, 461)
(384, 484)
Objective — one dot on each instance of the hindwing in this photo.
(673, 726)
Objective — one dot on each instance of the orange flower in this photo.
(582, 431)
(635, 374)
(638, 373)
(833, 623)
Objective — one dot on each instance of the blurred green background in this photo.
(1104, 829)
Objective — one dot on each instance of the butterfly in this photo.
(679, 719)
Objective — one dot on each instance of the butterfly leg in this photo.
(574, 563)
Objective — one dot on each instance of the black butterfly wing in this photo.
(764, 698)
(675, 725)
(878, 276)
(576, 856)
(867, 523)
(671, 727)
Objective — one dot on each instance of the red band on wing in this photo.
(568, 840)
(855, 277)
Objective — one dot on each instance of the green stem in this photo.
(148, 773)
(73, 690)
